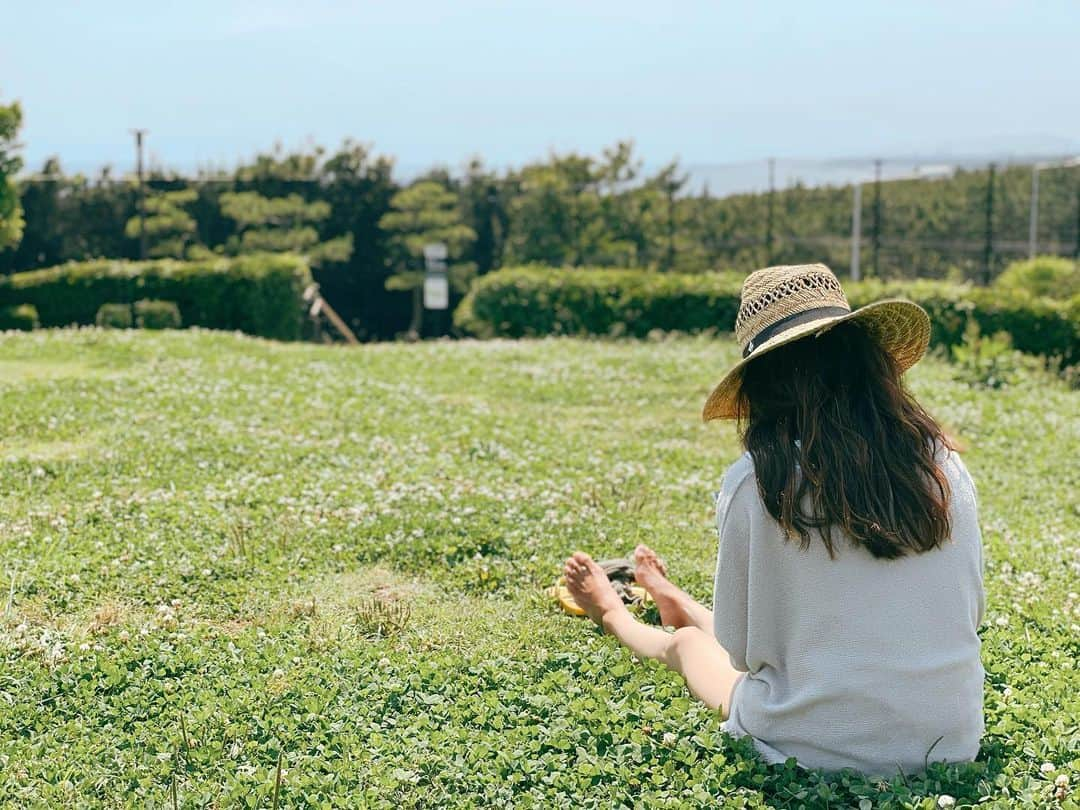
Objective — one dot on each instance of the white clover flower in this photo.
(1062, 780)
(945, 800)
(1047, 767)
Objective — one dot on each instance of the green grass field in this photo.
(217, 552)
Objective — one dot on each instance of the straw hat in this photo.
(782, 304)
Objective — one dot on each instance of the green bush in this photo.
(114, 316)
(532, 301)
(989, 361)
(1048, 276)
(23, 317)
(1034, 325)
(259, 294)
(151, 314)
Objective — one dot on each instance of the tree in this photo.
(359, 185)
(562, 211)
(421, 214)
(281, 224)
(483, 199)
(11, 217)
(170, 228)
(668, 182)
(43, 234)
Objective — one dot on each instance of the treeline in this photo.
(364, 229)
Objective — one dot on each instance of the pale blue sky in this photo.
(428, 82)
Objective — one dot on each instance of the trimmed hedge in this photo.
(533, 301)
(23, 317)
(1035, 325)
(157, 315)
(260, 294)
(114, 316)
(1051, 276)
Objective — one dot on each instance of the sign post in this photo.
(436, 281)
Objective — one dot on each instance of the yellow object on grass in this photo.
(561, 594)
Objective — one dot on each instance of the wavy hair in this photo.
(839, 444)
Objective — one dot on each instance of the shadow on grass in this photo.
(790, 786)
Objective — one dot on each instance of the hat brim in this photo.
(902, 328)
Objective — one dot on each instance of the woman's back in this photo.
(852, 660)
(849, 580)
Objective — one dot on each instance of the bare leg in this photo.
(677, 607)
(690, 651)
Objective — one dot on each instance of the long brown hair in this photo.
(839, 444)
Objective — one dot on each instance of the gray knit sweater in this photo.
(852, 662)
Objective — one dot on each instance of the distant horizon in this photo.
(721, 177)
(1020, 149)
(433, 84)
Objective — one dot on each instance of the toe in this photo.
(581, 558)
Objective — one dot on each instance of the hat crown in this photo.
(775, 293)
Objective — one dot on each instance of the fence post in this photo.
(1033, 216)
(988, 246)
(856, 231)
(1076, 248)
(876, 243)
(769, 215)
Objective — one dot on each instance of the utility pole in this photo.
(139, 135)
(876, 243)
(1033, 219)
(988, 246)
(856, 231)
(769, 216)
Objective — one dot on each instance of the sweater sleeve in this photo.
(968, 483)
(730, 588)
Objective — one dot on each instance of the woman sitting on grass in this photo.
(848, 586)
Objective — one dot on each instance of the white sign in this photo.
(436, 291)
(435, 253)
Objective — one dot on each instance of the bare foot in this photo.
(648, 564)
(651, 574)
(591, 588)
